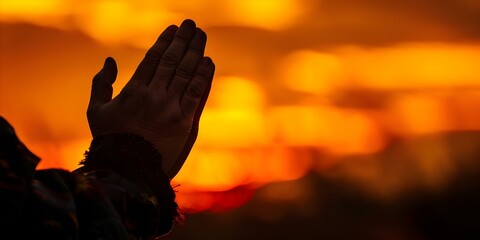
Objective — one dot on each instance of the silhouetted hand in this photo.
(164, 98)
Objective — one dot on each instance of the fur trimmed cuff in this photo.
(134, 158)
(127, 154)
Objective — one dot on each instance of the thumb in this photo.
(102, 83)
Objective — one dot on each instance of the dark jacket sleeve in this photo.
(120, 192)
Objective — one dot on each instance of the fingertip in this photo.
(207, 61)
(211, 64)
(201, 34)
(110, 68)
(172, 28)
(167, 34)
(188, 23)
(109, 62)
(206, 68)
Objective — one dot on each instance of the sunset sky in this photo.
(295, 80)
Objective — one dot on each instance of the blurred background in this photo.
(351, 119)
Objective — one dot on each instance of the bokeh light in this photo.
(301, 86)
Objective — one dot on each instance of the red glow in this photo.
(280, 91)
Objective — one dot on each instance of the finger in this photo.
(192, 137)
(173, 55)
(147, 67)
(102, 89)
(193, 97)
(185, 71)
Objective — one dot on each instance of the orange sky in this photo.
(338, 77)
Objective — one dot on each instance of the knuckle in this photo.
(182, 36)
(203, 74)
(194, 90)
(184, 72)
(145, 97)
(206, 71)
(126, 94)
(170, 58)
(152, 56)
(98, 78)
